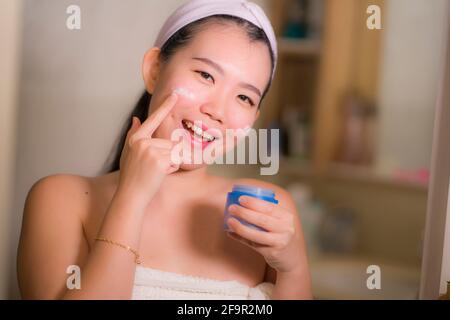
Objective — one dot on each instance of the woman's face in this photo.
(220, 77)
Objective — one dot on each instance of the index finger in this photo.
(154, 120)
(258, 205)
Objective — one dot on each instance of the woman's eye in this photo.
(205, 75)
(246, 99)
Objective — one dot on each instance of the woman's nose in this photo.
(215, 110)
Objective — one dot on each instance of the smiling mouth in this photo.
(197, 132)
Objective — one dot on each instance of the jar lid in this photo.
(254, 191)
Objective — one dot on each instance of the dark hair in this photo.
(180, 39)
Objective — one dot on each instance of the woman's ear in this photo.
(150, 68)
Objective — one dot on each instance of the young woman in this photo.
(152, 227)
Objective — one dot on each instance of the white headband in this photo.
(198, 9)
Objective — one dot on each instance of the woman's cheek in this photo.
(185, 93)
(240, 120)
(189, 95)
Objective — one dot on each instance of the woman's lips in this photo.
(194, 139)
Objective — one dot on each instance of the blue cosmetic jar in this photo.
(241, 190)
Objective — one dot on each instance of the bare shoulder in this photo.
(60, 191)
(71, 194)
(61, 183)
(282, 195)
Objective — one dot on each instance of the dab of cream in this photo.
(185, 93)
(244, 131)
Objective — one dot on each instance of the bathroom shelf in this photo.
(302, 47)
(364, 174)
(348, 173)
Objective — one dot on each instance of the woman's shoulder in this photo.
(61, 185)
(60, 193)
(71, 185)
(76, 198)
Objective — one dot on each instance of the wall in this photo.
(10, 23)
(445, 274)
(411, 71)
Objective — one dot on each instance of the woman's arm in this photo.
(292, 286)
(52, 239)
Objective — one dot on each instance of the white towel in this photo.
(153, 284)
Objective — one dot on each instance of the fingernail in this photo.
(242, 199)
(232, 208)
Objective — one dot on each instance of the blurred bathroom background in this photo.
(355, 108)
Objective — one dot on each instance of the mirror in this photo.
(354, 102)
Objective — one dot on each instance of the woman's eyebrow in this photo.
(222, 72)
(251, 88)
(211, 64)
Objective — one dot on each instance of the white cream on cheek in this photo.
(186, 93)
(244, 131)
(247, 130)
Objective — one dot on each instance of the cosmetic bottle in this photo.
(241, 190)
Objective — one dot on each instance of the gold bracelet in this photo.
(136, 254)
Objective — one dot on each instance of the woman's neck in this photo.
(183, 186)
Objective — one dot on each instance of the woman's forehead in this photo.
(230, 47)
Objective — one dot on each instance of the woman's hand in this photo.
(145, 161)
(281, 245)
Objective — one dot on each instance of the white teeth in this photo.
(199, 131)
